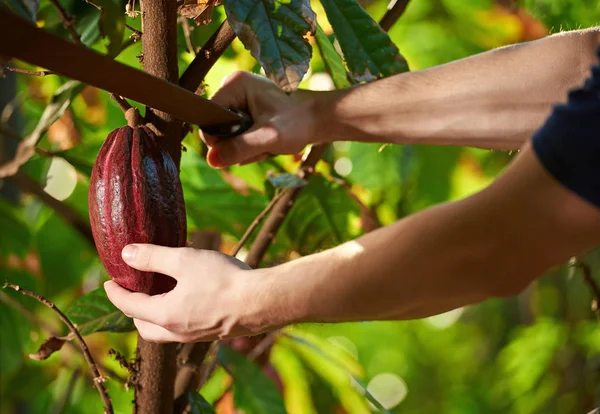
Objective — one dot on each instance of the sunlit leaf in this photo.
(333, 61)
(374, 167)
(253, 391)
(368, 50)
(198, 405)
(295, 378)
(274, 31)
(93, 312)
(328, 362)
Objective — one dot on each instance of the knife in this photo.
(21, 39)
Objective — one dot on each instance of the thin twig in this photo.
(38, 322)
(255, 224)
(206, 370)
(91, 3)
(98, 378)
(134, 30)
(40, 73)
(589, 280)
(187, 33)
(67, 22)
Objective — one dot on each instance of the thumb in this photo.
(153, 258)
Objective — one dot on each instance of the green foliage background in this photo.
(538, 352)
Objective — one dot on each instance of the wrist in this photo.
(267, 302)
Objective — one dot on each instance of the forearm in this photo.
(492, 244)
(491, 100)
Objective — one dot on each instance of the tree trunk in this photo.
(157, 368)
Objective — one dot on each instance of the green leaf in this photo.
(93, 312)
(15, 236)
(333, 61)
(295, 379)
(274, 31)
(368, 50)
(253, 391)
(321, 217)
(336, 368)
(24, 8)
(112, 24)
(211, 203)
(375, 167)
(198, 405)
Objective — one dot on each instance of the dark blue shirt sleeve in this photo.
(568, 144)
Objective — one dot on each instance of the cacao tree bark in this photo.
(156, 376)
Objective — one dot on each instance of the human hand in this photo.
(283, 123)
(214, 298)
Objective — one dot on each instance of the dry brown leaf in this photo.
(50, 346)
(200, 11)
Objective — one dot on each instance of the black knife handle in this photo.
(230, 130)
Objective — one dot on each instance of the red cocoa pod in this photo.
(135, 196)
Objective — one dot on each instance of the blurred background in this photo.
(535, 353)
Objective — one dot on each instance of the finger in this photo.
(153, 258)
(156, 333)
(257, 141)
(135, 304)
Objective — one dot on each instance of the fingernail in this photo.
(215, 159)
(128, 253)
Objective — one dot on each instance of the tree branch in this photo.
(255, 223)
(187, 33)
(269, 230)
(31, 186)
(154, 387)
(36, 321)
(395, 10)
(98, 378)
(40, 73)
(207, 56)
(67, 22)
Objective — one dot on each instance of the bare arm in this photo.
(492, 244)
(492, 100)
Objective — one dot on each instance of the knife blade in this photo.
(22, 40)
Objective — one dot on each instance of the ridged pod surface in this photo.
(135, 196)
